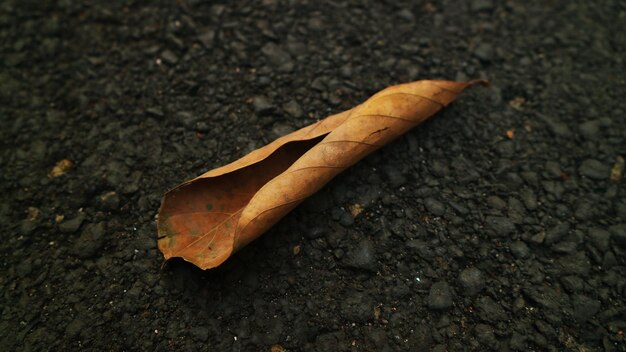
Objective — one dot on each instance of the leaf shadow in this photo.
(216, 292)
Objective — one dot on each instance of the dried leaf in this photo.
(355, 210)
(277, 348)
(206, 219)
(617, 170)
(60, 168)
(33, 213)
(517, 103)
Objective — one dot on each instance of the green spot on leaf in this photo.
(209, 206)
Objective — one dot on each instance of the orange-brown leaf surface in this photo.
(208, 218)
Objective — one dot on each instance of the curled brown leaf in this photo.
(206, 219)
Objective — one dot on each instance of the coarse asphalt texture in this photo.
(500, 224)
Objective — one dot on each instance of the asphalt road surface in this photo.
(498, 225)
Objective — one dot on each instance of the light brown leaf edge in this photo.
(208, 218)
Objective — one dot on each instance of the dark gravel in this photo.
(468, 239)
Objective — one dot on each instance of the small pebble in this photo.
(406, 15)
(484, 51)
(440, 296)
(594, 169)
(584, 307)
(618, 234)
(277, 57)
(557, 232)
(315, 232)
(590, 129)
(206, 38)
(501, 226)
(481, 5)
(472, 280)
(280, 129)
(519, 249)
(293, 108)
(558, 128)
(363, 256)
(91, 240)
(70, 226)
(485, 335)
(435, 207)
(169, 57)
(395, 176)
(262, 104)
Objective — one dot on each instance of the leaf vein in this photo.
(214, 229)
